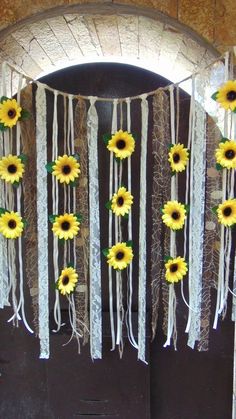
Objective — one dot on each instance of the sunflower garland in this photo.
(226, 95)
(226, 154)
(65, 226)
(66, 169)
(174, 214)
(178, 157)
(67, 280)
(121, 202)
(12, 168)
(226, 212)
(10, 113)
(122, 144)
(120, 255)
(176, 269)
(11, 224)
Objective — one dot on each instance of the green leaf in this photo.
(108, 204)
(162, 210)
(25, 222)
(61, 241)
(214, 96)
(24, 115)
(79, 217)
(2, 127)
(15, 184)
(3, 98)
(169, 146)
(2, 211)
(234, 111)
(224, 139)
(117, 159)
(214, 209)
(187, 208)
(106, 138)
(129, 243)
(76, 156)
(105, 252)
(134, 135)
(70, 265)
(73, 184)
(23, 158)
(55, 285)
(173, 173)
(49, 166)
(126, 216)
(167, 258)
(52, 218)
(218, 166)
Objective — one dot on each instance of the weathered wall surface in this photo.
(214, 20)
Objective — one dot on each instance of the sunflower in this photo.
(66, 169)
(11, 168)
(120, 256)
(122, 144)
(226, 95)
(226, 154)
(178, 157)
(176, 269)
(174, 214)
(227, 212)
(10, 112)
(67, 280)
(121, 202)
(11, 225)
(66, 226)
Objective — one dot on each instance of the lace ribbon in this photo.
(42, 226)
(94, 224)
(142, 234)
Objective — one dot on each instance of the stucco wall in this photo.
(214, 20)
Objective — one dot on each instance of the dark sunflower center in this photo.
(174, 267)
(120, 144)
(65, 280)
(176, 157)
(175, 215)
(65, 225)
(12, 168)
(120, 255)
(230, 154)
(11, 113)
(66, 169)
(227, 211)
(231, 96)
(120, 201)
(12, 224)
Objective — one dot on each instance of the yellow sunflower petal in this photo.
(226, 154)
(176, 269)
(10, 112)
(227, 212)
(66, 226)
(121, 202)
(226, 95)
(67, 281)
(122, 144)
(174, 214)
(11, 168)
(66, 169)
(178, 157)
(120, 256)
(11, 225)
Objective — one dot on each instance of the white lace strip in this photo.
(42, 216)
(94, 224)
(142, 234)
(196, 220)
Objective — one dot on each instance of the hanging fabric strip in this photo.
(160, 195)
(94, 224)
(30, 207)
(42, 213)
(196, 218)
(142, 234)
(82, 245)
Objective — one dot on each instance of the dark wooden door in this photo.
(174, 385)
